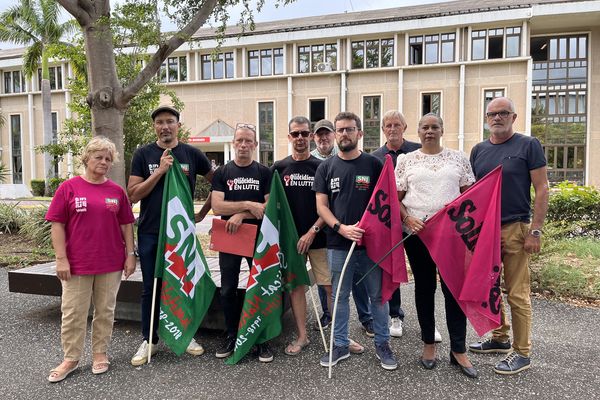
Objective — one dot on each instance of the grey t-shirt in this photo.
(518, 155)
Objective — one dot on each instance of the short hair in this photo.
(440, 120)
(510, 103)
(99, 143)
(243, 125)
(393, 114)
(348, 115)
(300, 120)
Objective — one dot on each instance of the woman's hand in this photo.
(63, 269)
(414, 224)
(129, 267)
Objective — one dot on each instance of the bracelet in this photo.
(131, 253)
(404, 219)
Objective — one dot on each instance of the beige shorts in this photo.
(319, 267)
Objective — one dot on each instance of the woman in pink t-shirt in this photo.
(92, 236)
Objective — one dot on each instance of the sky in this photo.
(300, 8)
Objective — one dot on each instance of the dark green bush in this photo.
(53, 184)
(38, 187)
(577, 207)
(202, 189)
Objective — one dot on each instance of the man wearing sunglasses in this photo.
(240, 190)
(523, 164)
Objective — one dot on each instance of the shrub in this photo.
(577, 207)
(36, 228)
(38, 187)
(11, 218)
(202, 189)
(53, 184)
(4, 173)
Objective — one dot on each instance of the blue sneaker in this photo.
(339, 353)
(386, 356)
(512, 364)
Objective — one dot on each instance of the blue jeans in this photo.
(359, 264)
(147, 246)
(361, 300)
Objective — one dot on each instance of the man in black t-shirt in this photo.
(344, 184)
(297, 173)
(240, 190)
(149, 165)
(523, 164)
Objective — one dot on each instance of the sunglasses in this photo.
(295, 134)
(241, 125)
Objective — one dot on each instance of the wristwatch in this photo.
(315, 228)
(336, 227)
(536, 233)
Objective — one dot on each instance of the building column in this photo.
(461, 109)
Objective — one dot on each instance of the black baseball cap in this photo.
(167, 109)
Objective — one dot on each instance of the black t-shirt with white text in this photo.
(297, 178)
(250, 183)
(146, 160)
(348, 185)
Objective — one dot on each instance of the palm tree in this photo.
(34, 23)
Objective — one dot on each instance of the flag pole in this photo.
(314, 303)
(384, 257)
(335, 304)
(152, 319)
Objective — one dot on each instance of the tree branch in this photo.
(78, 11)
(164, 51)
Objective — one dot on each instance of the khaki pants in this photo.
(517, 284)
(77, 293)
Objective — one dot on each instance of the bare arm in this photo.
(138, 188)
(59, 242)
(127, 232)
(539, 179)
(412, 223)
(204, 210)
(307, 239)
(221, 206)
(350, 232)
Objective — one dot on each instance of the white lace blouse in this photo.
(431, 180)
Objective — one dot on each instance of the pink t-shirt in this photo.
(93, 215)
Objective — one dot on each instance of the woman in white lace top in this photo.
(428, 179)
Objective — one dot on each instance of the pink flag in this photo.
(463, 239)
(383, 229)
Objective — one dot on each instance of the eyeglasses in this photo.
(295, 134)
(502, 114)
(350, 129)
(241, 125)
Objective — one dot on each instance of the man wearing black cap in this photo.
(149, 165)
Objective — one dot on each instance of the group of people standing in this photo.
(328, 190)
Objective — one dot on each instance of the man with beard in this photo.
(344, 184)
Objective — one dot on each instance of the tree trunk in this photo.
(105, 92)
(47, 128)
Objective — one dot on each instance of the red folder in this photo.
(240, 243)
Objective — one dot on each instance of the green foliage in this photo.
(53, 184)
(202, 189)
(38, 187)
(576, 208)
(11, 217)
(36, 228)
(4, 172)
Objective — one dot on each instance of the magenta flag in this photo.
(383, 229)
(464, 241)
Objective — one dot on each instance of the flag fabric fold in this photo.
(187, 288)
(383, 229)
(277, 266)
(463, 239)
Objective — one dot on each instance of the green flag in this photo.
(187, 288)
(276, 266)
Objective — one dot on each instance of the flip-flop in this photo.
(289, 349)
(355, 348)
(60, 374)
(100, 367)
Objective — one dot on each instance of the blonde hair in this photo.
(99, 143)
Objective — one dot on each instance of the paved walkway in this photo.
(565, 363)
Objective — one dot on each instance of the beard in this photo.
(347, 146)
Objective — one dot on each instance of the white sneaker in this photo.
(396, 327)
(437, 337)
(194, 348)
(141, 355)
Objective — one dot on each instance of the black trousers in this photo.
(229, 264)
(425, 275)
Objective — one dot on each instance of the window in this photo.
(372, 53)
(431, 103)
(266, 128)
(265, 62)
(310, 57)
(17, 157)
(316, 113)
(438, 48)
(371, 122)
(14, 82)
(490, 44)
(173, 69)
(559, 103)
(217, 66)
(489, 95)
(55, 78)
